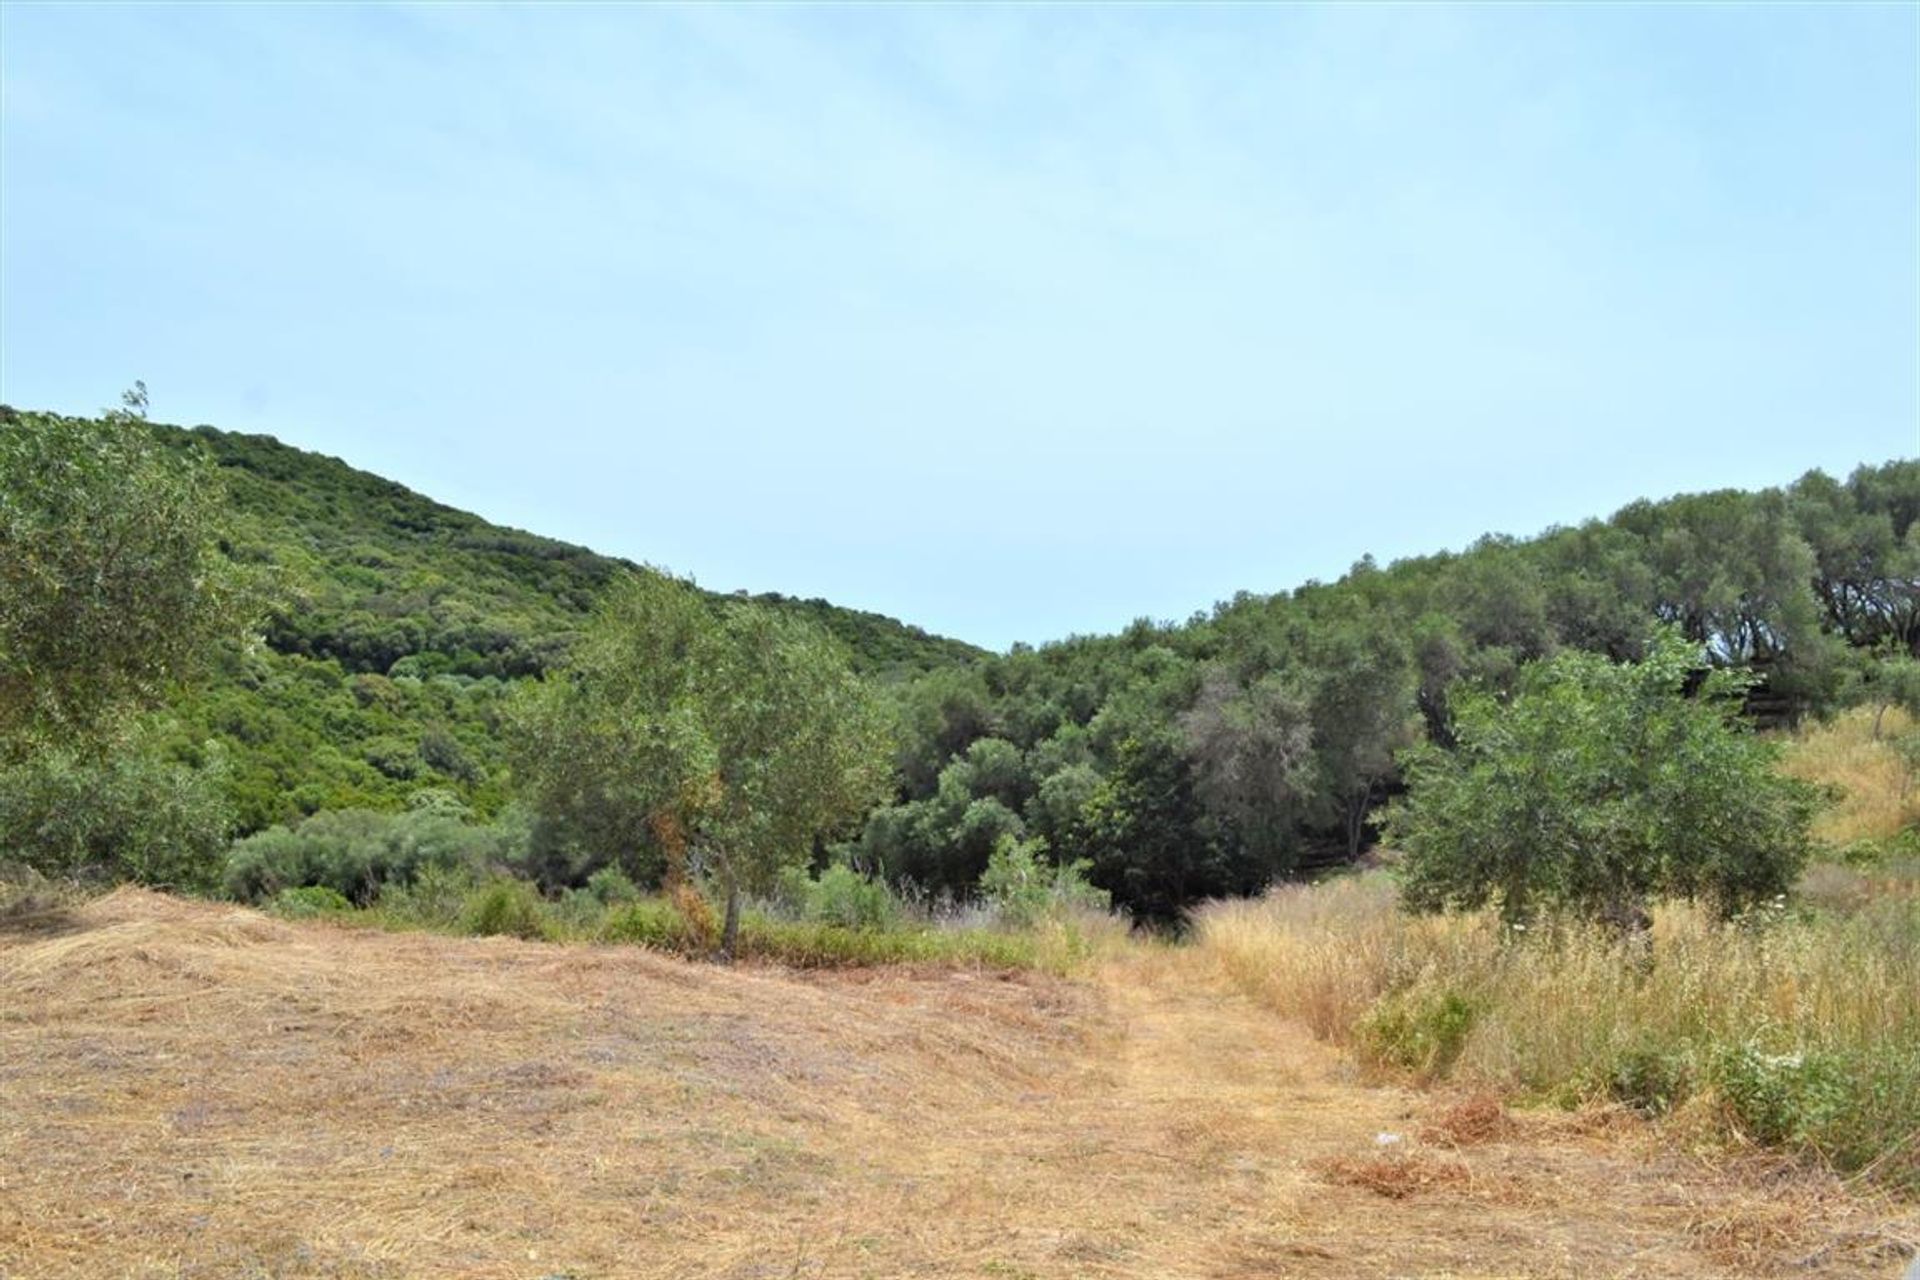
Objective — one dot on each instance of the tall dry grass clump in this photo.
(1799, 1028)
(1868, 759)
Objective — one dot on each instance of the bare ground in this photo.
(188, 1090)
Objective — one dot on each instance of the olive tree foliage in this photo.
(112, 583)
(739, 732)
(1596, 786)
(113, 590)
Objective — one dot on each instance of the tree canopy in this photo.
(112, 582)
(740, 737)
(1597, 785)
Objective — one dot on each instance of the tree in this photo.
(1252, 755)
(113, 590)
(112, 583)
(740, 730)
(1597, 786)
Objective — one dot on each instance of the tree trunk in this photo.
(730, 932)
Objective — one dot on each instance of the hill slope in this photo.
(201, 1090)
(398, 623)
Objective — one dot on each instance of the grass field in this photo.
(192, 1090)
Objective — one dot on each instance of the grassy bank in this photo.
(801, 934)
(1800, 1029)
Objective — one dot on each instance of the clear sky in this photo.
(1012, 322)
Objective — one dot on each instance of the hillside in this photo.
(396, 620)
(196, 1089)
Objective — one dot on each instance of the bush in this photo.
(432, 901)
(610, 886)
(309, 902)
(843, 897)
(1596, 787)
(650, 922)
(1025, 890)
(1421, 1031)
(129, 816)
(356, 852)
(505, 908)
(1651, 1078)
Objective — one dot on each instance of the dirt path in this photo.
(191, 1091)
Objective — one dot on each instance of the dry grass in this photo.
(1821, 1014)
(188, 1090)
(1878, 795)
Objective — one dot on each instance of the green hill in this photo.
(398, 625)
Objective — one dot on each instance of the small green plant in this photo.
(1420, 1030)
(310, 902)
(842, 896)
(433, 901)
(612, 887)
(1781, 1098)
(649, 922)
(1025, 889)
(510, 908)
(1652, 1079)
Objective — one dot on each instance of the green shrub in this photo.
(128, 816)
(505, 908)
(610, 886)
(357, 852)
(842, 896)
(308, 902)
(433, 900)
(1024, 889)
(649, 922)
(1652, 1079)
(1421, 1030)
(1781, 1098)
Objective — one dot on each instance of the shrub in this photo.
(308, 902)
(509, 908)
(611, 886)
(650, 922)
(1781, 1098)
(128, 816)
(842, 896)
(433, 900)
(1025, 890)
(357, 852)
(1422, 1031)
(1596, 787)
(1650, 1077)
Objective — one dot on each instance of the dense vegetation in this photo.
(1209, 757)
(396, 628)
(1174, 762)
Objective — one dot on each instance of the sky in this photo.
(1013, 322)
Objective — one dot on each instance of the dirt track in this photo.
(187, 1090)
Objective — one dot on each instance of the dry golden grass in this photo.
(1568, 1016)
(1878, 794)
(188, 1090)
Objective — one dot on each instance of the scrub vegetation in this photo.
(1619, 819)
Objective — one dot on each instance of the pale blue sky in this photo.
(1011, 322)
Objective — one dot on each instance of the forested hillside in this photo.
(396, 625)
(1209, 757)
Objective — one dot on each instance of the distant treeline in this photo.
(1208, 757)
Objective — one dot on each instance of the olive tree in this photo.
(742, 730)
(112, 583)
(1596, 786)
